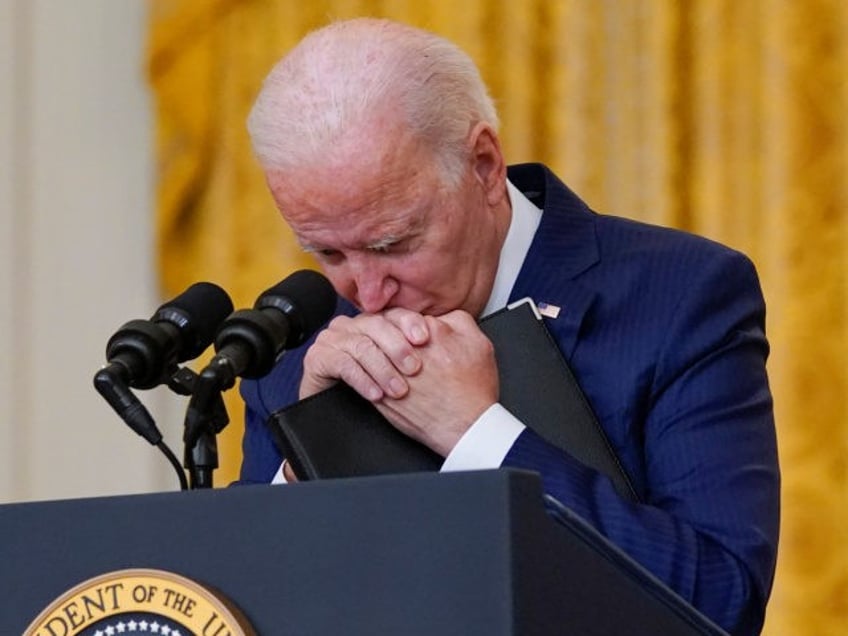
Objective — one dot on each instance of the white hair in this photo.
(338, 79)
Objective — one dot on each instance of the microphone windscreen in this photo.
(197, 313)
(308, 300)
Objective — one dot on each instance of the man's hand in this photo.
(457, 382)
(373, 353)
(431, 377)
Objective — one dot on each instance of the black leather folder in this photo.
(337, 433)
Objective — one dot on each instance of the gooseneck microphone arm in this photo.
(248, 345)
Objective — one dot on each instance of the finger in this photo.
(327, 363)
(379, 362)
(391, 333)
(459, 337)
(411, 323)
(368, 352)
(460, 320)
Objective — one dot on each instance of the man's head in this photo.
(379, 145)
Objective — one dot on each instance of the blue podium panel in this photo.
(418, 554)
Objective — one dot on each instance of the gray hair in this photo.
(340, 77)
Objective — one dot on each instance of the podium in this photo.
(438, 554)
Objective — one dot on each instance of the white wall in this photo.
(76, 246)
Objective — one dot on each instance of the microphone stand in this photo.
(206, 416)
(202, 460)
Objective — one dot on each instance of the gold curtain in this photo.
(724, 117)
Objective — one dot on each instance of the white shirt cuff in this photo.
(486, 443)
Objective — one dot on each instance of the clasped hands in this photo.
(430, 377)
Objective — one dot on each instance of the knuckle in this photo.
(339, 323)
(398, 314)
(362, 347)
(368, 325)
(404, 319)
(436, 325)
(462, 319)
(349, 370)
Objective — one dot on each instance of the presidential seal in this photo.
(146, 602)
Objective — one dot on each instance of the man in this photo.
(379, 143)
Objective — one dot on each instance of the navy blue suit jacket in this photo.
(665, 333)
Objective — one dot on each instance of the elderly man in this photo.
(380, 147)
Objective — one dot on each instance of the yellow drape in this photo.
(725, 117)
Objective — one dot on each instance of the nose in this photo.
(374, 287)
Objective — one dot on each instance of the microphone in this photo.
(247, 345)
(250, 341)
(142, 352)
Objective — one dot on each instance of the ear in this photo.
(488, 162)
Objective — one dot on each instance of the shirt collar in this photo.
(523, 224)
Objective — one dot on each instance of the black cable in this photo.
(162, 446)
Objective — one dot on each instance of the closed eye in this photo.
(324, 254)
(391, 245)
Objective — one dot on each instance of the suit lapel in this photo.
(565, 246)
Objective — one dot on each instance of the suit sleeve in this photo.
(260, 457)
(709, 522)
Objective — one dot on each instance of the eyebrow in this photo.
(385, 242)
(411, 229)
(379, 244)
(307, 247)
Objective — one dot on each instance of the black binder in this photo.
(337, 433)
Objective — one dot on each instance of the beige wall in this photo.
(76, 260)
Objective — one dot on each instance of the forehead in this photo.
(366, 199)
(328, 221)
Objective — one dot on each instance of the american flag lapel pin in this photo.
(549, 311)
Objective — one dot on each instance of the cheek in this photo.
(425, 274)
(341, 280)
